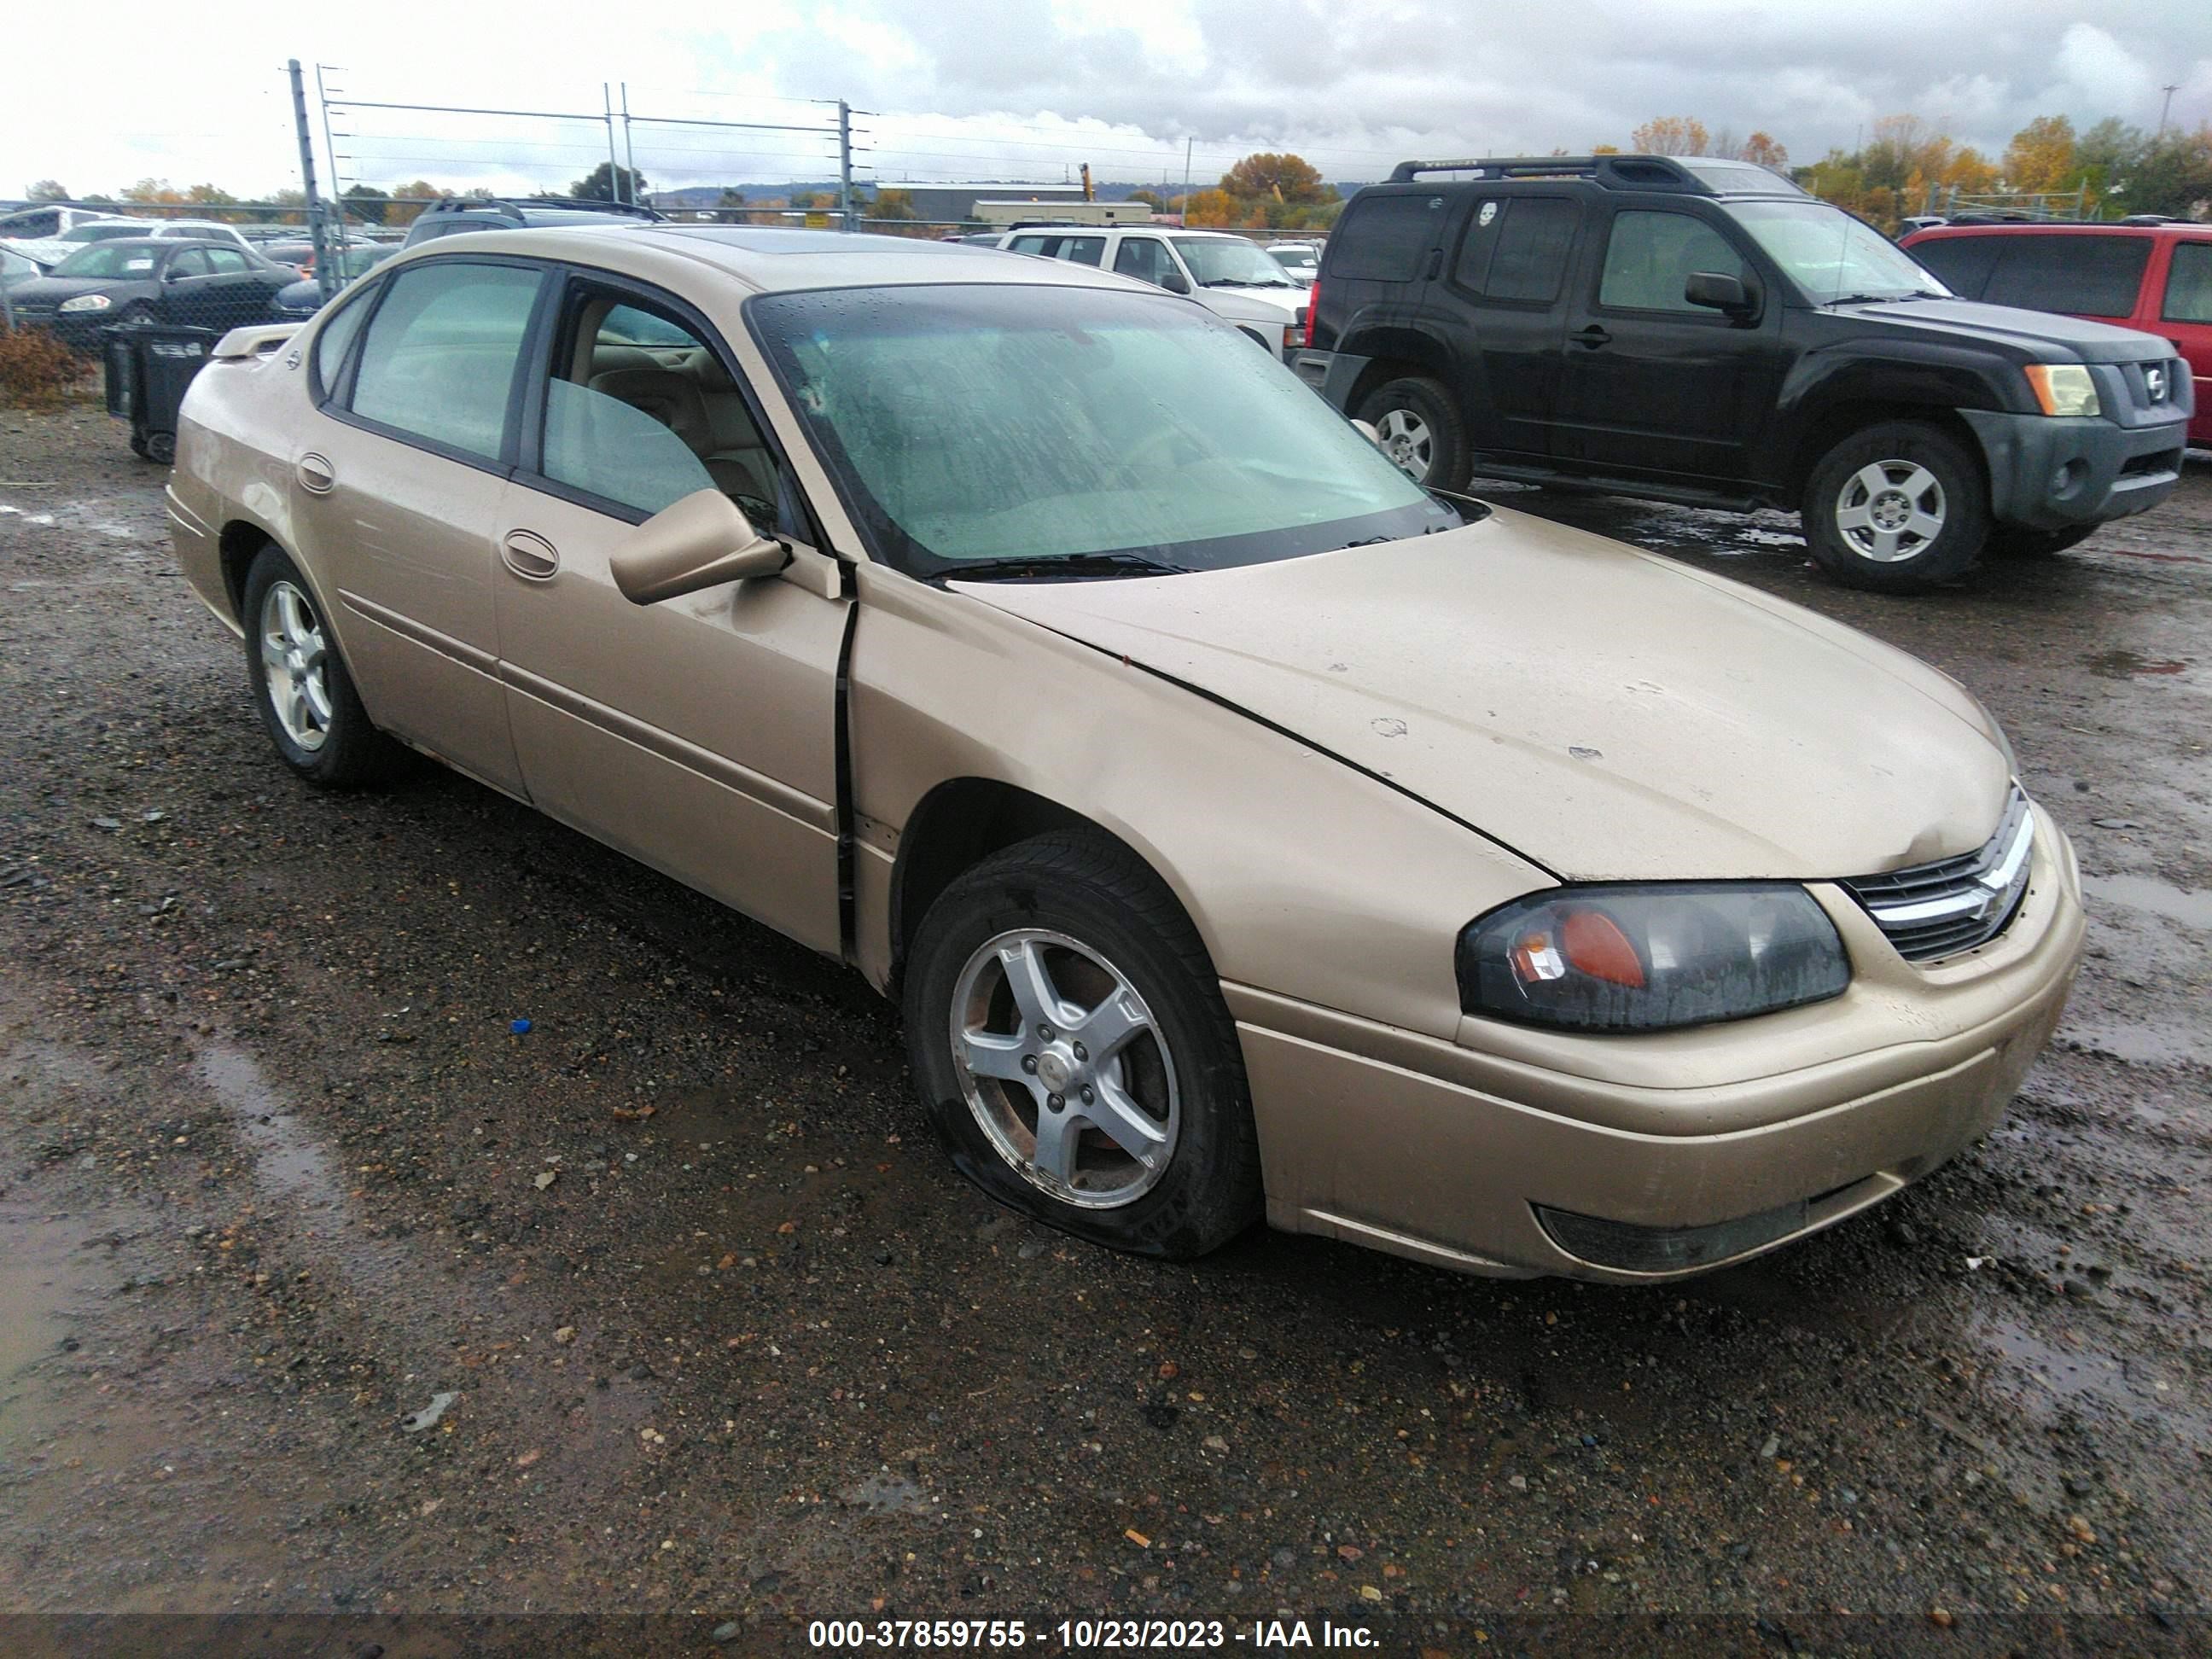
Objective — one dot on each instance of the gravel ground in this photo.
(709, 1330)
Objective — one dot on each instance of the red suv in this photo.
(2154, 276)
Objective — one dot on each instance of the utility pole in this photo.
(307, 176)
(1186, 173)
(2166, 108)
(844, 165)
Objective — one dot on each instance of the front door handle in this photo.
(315, 474)
(530, 556)
(1593, 336)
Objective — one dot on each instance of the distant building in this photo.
(956, 202)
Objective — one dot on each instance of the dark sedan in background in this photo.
(142, 280)
(304, 298)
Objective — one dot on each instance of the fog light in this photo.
(2066, 480)
(1632, 1248)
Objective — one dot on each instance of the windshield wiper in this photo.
(1073, 566)
(1882, 299)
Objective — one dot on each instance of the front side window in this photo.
(1830, 255)
(1650, 258)
(1145, 257)
(439, 356)
(2091, 276)
(642, 412)
(971, 425)
(2188, 283)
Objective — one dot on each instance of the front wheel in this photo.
(1071, 1046)
(1417, 425)
(1899, 507)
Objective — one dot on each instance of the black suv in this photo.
(1702, 332)
(451, 218)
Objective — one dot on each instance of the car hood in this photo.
(1607, 713)
(45, 289)
(2033, 334)
(302, 296)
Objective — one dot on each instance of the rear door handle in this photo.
(315, 474)
(529, 556)
(1593, 336)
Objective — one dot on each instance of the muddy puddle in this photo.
(47, 1291)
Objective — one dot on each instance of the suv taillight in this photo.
(1313, 311)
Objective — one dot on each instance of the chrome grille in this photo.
(1954, 904)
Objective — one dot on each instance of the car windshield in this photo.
(1832, 256)
(1229, 262)
(979, 425)
(109, 259)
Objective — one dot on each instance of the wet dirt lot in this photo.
(322, 1291)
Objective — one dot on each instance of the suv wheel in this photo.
(1068, 1038)
(1899, 508)
(1418, 427)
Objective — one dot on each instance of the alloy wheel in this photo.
(1064, 1066)
(1890, 510)
(294, 658)
(1404, 437)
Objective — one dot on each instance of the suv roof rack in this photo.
(517, 204)
(1676, 174)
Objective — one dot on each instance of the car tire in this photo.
(2014, 541)
(1898, 507)
(162, 448)
(305, 697)
(1006, 959)
(1417, 425)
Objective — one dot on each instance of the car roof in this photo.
(161, 245)
(769, 260)
(2114, 228)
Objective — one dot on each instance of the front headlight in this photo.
(86, 302)
(1648, 958)
(2063, 389)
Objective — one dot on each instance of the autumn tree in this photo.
(154, 193)
(1760, 150)
(1671, 135)
(1290, 179)
(404, 211)
(2040, 156)
(1216, 207)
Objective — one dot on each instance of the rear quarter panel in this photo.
(234, 465)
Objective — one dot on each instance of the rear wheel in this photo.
(301, 686)
(1417, 425)
(2018, 542)
(1900, 508)
(1069, 1039)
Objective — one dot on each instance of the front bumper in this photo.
(1331, 374)
(1669, 1154)
(2109, 471)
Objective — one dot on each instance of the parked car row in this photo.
(144, 279)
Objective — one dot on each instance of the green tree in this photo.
(609, 183)
(50, 190)
(2173, 176)
(366, 203)
(891, 205)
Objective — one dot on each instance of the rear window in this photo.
(1964, 262)
(2188, 283)
(2093, 276)
(1385, 238)
(1516, 248)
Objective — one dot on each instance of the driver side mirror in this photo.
(1174, 281)
(1716, 291)
(702, 541)
(173, 275)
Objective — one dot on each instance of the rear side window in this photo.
(439, 356)
(2188, 283)
(1387, 238)
(1650, 257)
(1085, 250)
(1963, 263)
(227, 261)
(1517, 249)
(336, 335)
(2095, 276)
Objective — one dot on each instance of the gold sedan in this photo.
(1243, 827)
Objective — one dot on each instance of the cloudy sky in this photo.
(1029, 88)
